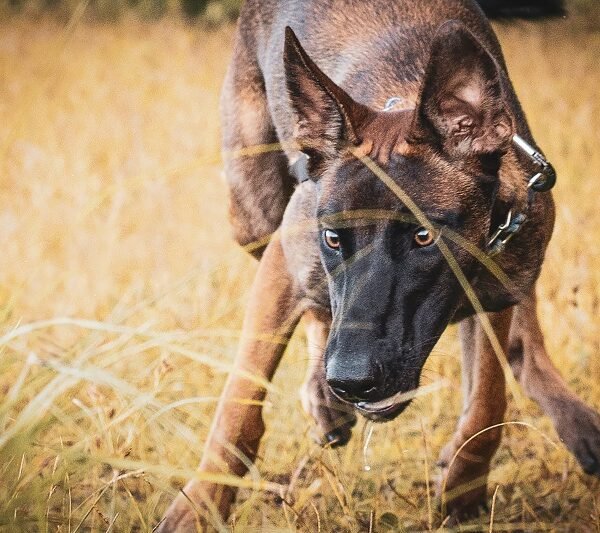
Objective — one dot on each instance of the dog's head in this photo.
(392, 290)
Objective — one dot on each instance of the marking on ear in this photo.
(402, 147)
(363, 149)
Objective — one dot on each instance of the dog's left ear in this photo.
(462, 107)
(327, 118)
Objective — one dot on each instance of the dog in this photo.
(381, 168)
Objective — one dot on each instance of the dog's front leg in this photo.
(577, 424)
(273, 312)
(465, 461)
(334, 419)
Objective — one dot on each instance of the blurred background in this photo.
(122, 292)
(208, 11)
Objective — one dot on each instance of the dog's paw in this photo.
(461, 485)
(333, 419)
(179, 519)
(578, 427)
(462, 502)
(198, 507)
(459, 513)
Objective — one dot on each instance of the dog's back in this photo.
(374, 50)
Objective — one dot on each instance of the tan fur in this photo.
(274, 310)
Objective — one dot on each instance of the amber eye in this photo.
(332, 239)
(424, 236)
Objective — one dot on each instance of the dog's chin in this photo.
(381, 411)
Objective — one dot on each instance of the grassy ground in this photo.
(121, 297)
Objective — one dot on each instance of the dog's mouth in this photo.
(381, 415)
(386, 409)
(391, 407)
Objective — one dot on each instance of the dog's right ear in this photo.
(326, 116)
(462, 107)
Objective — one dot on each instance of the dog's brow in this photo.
(331, 217)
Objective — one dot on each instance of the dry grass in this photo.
(113, 213)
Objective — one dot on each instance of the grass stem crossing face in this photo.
(391, 297)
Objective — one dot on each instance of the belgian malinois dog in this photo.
(381, 168)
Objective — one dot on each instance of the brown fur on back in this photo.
(373, 50)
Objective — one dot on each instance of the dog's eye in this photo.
(425, 237)
(332, 239)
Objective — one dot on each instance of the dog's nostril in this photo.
(340, 392)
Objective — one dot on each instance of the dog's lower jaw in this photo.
(384, 414)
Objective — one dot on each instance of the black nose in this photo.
(356, 388)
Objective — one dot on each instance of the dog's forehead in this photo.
(430, 182)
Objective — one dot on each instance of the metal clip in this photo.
(505, 233)
(543, 180)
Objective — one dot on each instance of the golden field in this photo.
(122, 296)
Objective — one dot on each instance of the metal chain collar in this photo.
(541, 181)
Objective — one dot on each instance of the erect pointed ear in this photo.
(326, 116)
(462, 106)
